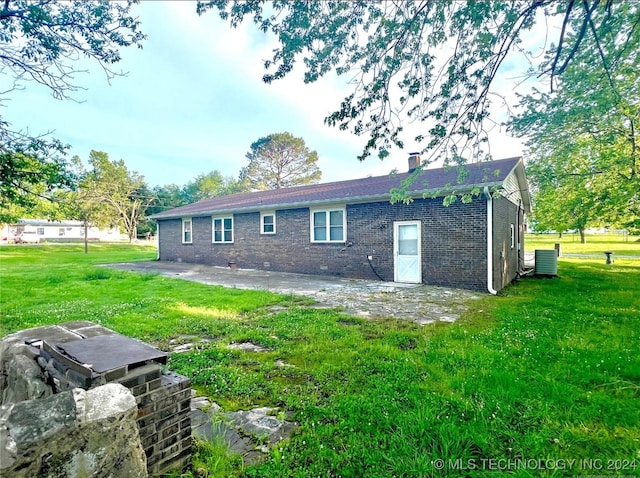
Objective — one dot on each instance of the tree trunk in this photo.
(86, 238)
(560, 235)
(583, 237)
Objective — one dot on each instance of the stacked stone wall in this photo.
(72, 434)
(33, 370)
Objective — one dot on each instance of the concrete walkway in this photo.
(372, 299)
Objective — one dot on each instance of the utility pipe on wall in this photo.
(518, 229)
(489, 198)
(158, 236)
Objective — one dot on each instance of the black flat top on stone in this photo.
(108, 352)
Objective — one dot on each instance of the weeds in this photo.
(548, 370)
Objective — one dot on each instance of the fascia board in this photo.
(438, 192)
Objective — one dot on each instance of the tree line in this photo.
(418, 60)
(108, 193)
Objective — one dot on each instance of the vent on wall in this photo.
(546, 262)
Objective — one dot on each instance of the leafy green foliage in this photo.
(433, 62)
(110, 193)
(584, 136)
(203, 186)
(31, 170)
(41, 41)
(209, 185)
(567, 193)
(279, 161)
(167, 197)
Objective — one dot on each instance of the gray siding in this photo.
(506, 260)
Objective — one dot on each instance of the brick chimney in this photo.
(414, 161)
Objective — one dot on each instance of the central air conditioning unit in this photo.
(546, 262)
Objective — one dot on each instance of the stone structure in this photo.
(72, 434)
(248, 433)
(46, 362)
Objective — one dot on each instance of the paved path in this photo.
(419, 303)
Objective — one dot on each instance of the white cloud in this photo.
(194, 101)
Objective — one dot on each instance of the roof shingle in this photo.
(378, 188)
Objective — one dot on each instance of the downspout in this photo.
(518, 245)
(487, 195)
(158, 236)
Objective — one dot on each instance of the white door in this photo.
(406, 251)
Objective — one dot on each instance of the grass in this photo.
(549, 370)
(48, 284)
(621, 245)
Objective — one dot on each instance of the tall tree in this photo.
(209, 185)
(584, 137)
(121, 194)
(568, 194)
(31, 170)
(84, 204)
(280, 161)
(167, 197)
(41, 41)
(428, 61)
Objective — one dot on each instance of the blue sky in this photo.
(193, 101)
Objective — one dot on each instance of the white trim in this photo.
(159, 241)
(184, 220)
(512, 232)
(518, 231)
(328, 210)
(213, 229)
(262, 215)
(396, 225)
(487, 195)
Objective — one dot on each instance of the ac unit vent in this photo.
(546, 262)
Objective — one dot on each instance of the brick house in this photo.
(351, 229)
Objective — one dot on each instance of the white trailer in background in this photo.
(59, 231)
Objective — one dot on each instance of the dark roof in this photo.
(489, 173)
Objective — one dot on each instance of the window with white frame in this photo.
(328, 225)
(186, 231)
(268, 223)
(513, 236)
(222, 229)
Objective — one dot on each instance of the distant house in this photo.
(61, 231)
(350, 228)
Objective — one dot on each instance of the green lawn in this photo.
(53, 283)
(548, 370)
(621, 245)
